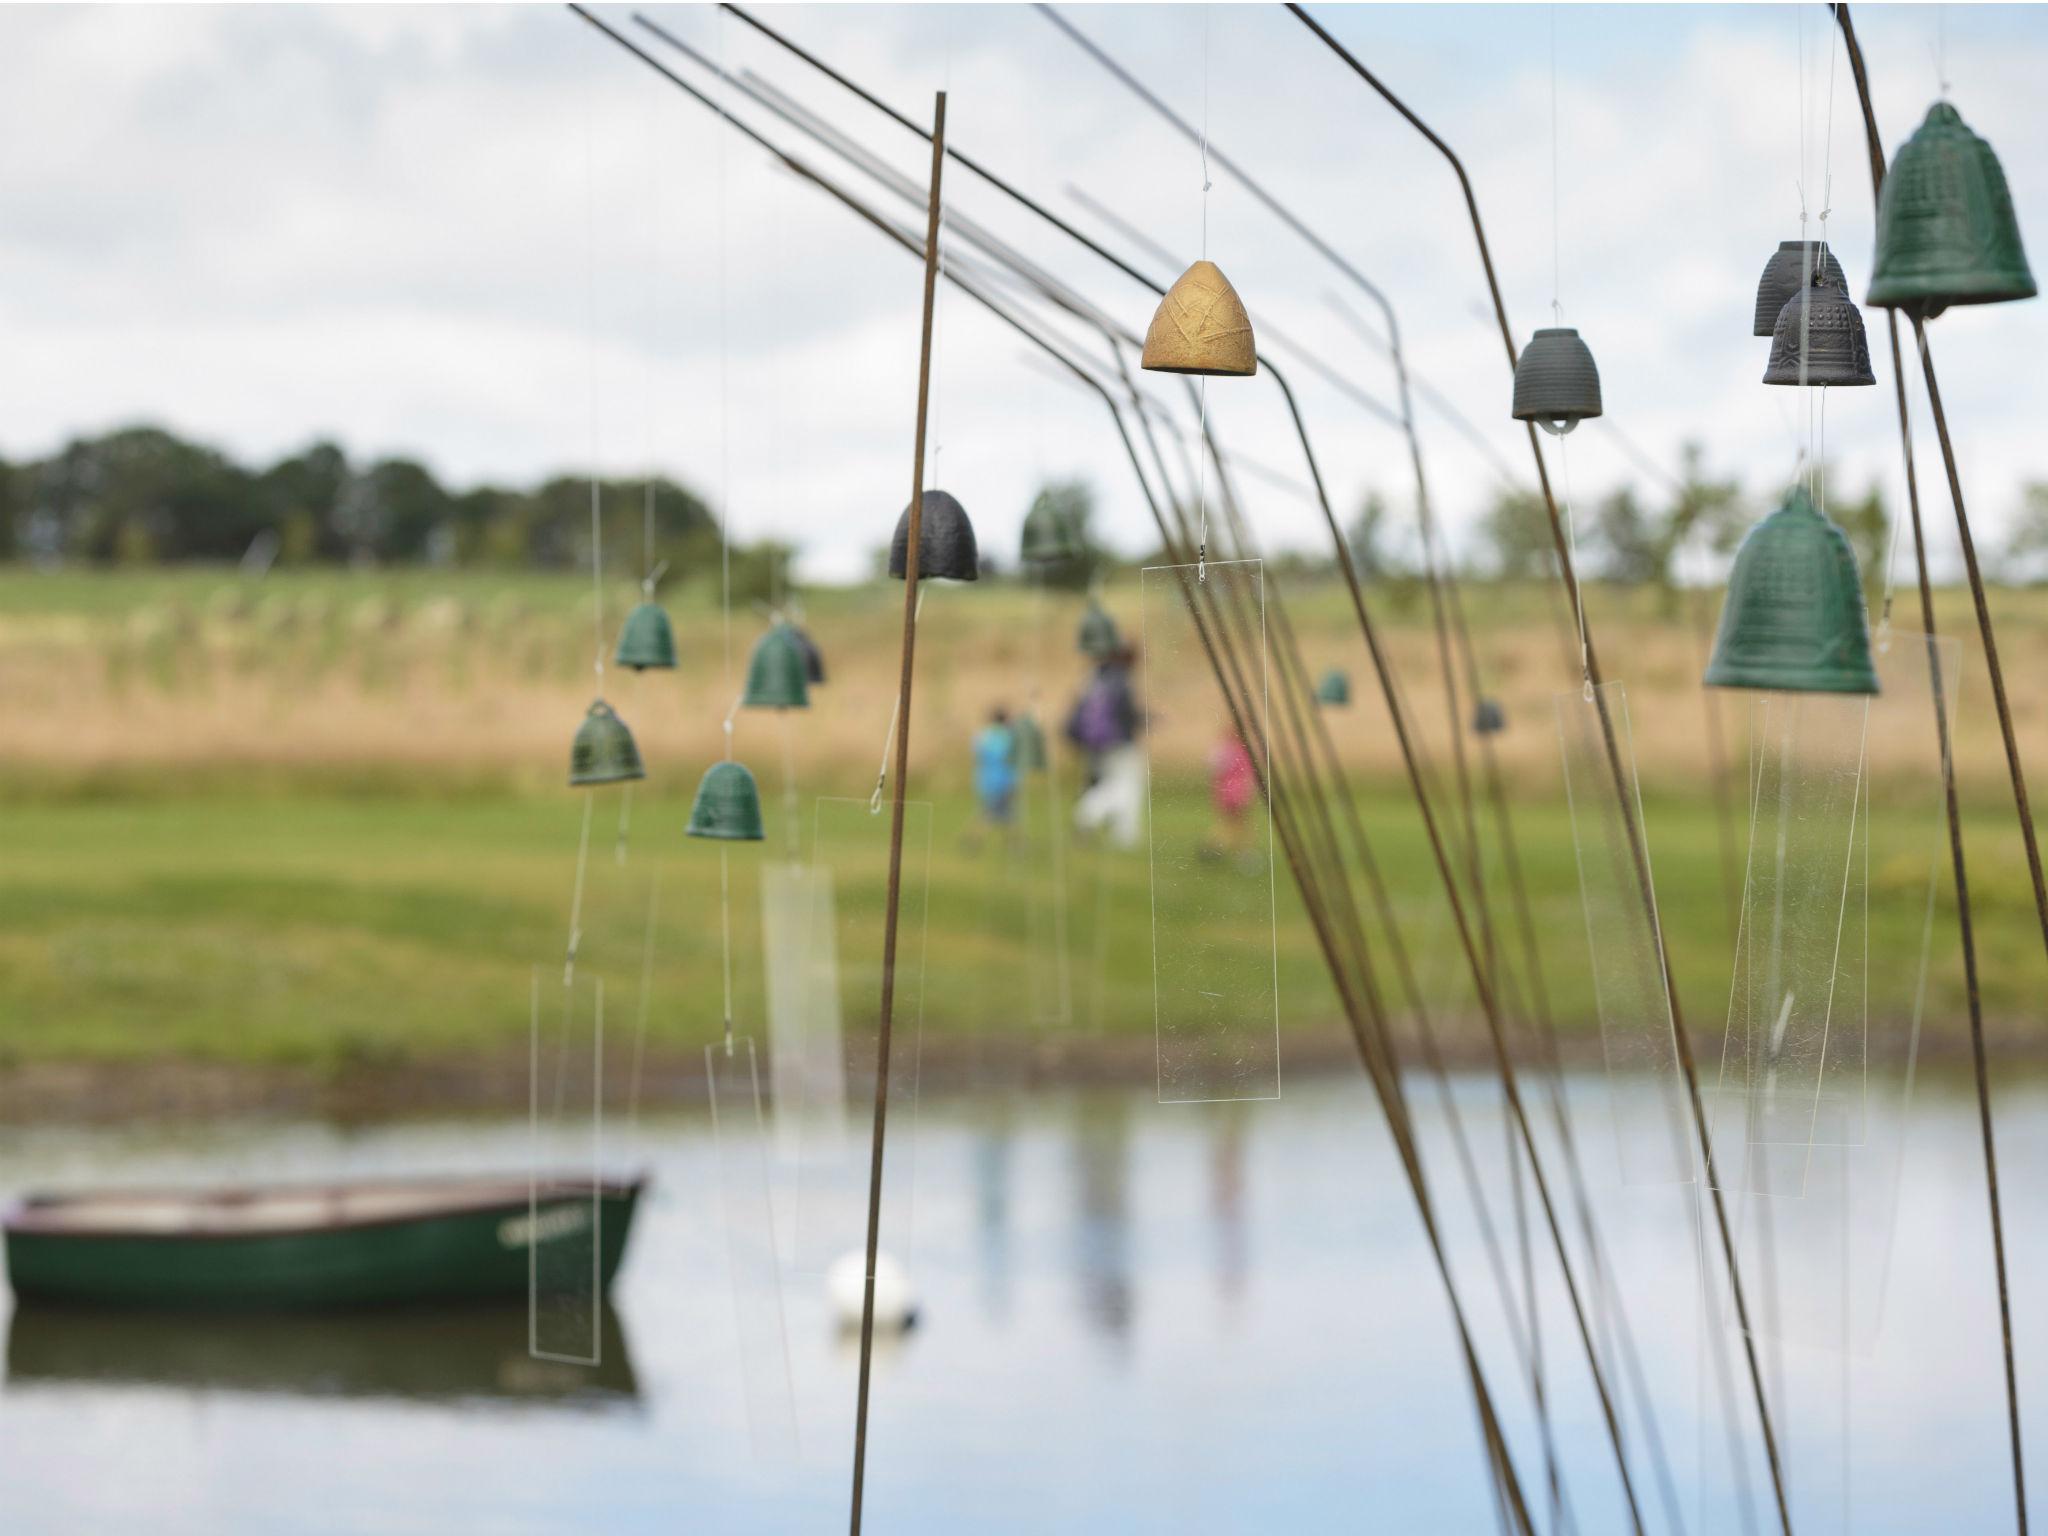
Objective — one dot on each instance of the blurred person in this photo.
(995, 775)
(1231, 787)
(1105, 724)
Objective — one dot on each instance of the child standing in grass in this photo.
(995, 770)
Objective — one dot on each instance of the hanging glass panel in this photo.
(748, 1217)
(563, 1231)
(1215, 984)
(1814, 1223)
(806, 1050)
(1652, 1118)
(851, 850)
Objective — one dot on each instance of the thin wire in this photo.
(724, 528)
(1941, 49)
(1556, 264)
(1571, 528)
(889, 736)
(590, 320)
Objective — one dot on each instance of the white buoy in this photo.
(846, 1284)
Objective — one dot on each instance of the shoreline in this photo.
(90, 1093)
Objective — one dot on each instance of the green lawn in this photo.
(333, 931)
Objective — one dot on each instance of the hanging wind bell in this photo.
(1048, 537)
(814, 659)
(945, 541)
(1488, 718)
(1098, 637)
(776, 673)
(603, 751)
(646, 639)
(1201, 327)
(1783, 275)
(1819, 340)
(1793, 620)
(1334, 690)
(1027, 744)
(1946, 231)
(1556, 384)
(728, 805)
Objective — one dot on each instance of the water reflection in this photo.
(435, 1355)
(1101, 1155)
(1227, 1142)
(992, 1163)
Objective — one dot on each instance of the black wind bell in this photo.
(814, 659)
(945, 541)
(1819, 340)
(1782, 277)
(1488, 718)
(1556, 384)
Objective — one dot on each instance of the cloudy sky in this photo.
(490, 238)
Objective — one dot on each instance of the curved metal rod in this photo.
(1948, 768)
(1377, 1064)
(1638, 852)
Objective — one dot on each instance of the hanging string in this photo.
(724, 528)
(1941, 49)
(1556, 265)
(1571, 529)
(1201, 461)
(889, 736)
(596, 514)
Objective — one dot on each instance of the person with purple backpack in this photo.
(1105, 723)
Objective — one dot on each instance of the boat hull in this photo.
(475, 1250)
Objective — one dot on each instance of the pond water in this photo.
(1136, 1318)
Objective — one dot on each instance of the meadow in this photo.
(316, 824)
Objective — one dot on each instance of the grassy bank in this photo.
(318, 823)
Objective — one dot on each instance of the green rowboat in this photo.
(377, 1243)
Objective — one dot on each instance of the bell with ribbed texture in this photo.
(1098, 637)
(646, 640)
(1785, 273)
(1946, 231)
(1556, 384)
(1027, 744)
(1831, 330)
(775, 673)
(1201, 327)
(1334, 689)
(1793, 619)
(1488, 718)
(945, 541)
(1048, 537)
(814, 659)
(603, 751)
(728, 805)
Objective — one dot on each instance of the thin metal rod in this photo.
(910, 578)
(1681, 1037)
(1964, 920)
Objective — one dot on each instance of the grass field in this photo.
(318, 821)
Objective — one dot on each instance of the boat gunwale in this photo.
(30, 1216)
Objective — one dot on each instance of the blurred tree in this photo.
(1869, 531)
(1370, 539)
(2026, 549)
(1516, 534)
(303, 491)
(12, 483)
(1630, 545)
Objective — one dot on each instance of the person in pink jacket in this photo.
(1232, 786)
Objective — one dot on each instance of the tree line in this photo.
(142, 495)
